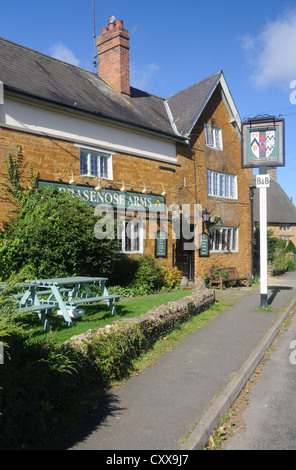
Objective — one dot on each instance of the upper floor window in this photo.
(221, 184)
(95, 163)
(213, 137)
(285, 227)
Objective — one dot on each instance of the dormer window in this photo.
(213, 137)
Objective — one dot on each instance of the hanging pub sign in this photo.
(263, 142)
(204, 245)
(161, 245)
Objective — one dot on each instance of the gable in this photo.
(187, 105)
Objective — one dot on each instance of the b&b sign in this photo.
(262, 181)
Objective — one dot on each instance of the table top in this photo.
(65, 280)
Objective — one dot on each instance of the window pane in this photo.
(93, 164)
(209, 181)
(224, 239)
(227, 185)
(218, 138)
(232, 186)
(83, 163)
(221, 185)
(103, 167)
(215, 184)
(234, 239)
(208, 135)
(135, 237)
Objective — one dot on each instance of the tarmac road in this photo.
(269, 419)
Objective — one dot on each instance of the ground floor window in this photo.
(224, 239)
(131, 234)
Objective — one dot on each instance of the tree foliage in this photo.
(52, 235)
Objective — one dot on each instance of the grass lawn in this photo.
(98, 315)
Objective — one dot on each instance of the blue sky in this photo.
(177, 43)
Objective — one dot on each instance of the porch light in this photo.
(206, 216)
(123, 189)
(145, 190)
(72, 181)
(99, 188)
(164, 193)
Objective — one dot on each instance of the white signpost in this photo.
(262, 182)
(263, 147)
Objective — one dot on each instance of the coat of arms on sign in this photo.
(262, 143)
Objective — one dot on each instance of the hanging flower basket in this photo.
(177, 216)
(215, 219)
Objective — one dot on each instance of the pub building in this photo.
(157, 161)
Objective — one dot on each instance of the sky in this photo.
(174, 44)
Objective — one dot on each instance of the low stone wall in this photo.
(159, 321)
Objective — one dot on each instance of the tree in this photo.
(52, 235)
(13, 189)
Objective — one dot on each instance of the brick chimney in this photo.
(113, 55)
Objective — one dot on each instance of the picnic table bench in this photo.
(63, 294)
(226, 275)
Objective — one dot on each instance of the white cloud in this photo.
(143, 78)
(273, 53)
(62, 52)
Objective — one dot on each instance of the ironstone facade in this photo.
(139, 154)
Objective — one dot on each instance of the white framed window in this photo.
(222, 184)
(213, 136)
(224, 239)
(285, 227)
(95, 162)
(131, 234)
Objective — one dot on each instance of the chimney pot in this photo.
(119, 23)
(104, 30)
(111, 22)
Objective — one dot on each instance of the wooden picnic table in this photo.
(64, 294)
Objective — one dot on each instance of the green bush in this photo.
(291, 247)
(53, 236)
(42, 384)
(172, 277)
(143, 275)
(149, 272)
(291, 266)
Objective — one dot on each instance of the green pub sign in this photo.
(115, 198)
(161, 244)
(204, 245)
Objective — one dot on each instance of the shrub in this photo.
(291, 247)
(36, 380)
(42, 383)
(149, 273)
(172, 277)
(124, 271)
(53, 236)
(291, 265)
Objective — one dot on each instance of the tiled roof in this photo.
(280, 209)
(30, 72)
(188, 103)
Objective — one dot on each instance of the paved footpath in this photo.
(196, 382)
